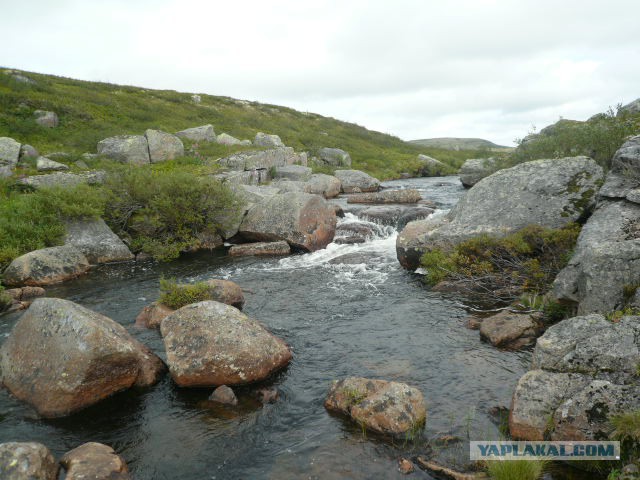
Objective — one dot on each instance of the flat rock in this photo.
(65, 180)
(163, 146)
(320, 184)
(46, 266)
(510, 330)
(260, 249)
(27, 461)
(210, 344)
(293, 172)
(263, 159)
(96, 241)
(266, 140)
(204, 133)
(226, 139)
(356, 181)
(43, 164)
(94, 461)
(408, 195)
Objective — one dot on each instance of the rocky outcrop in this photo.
(305, 221)
(210, 344)
(624, 176)
(320, 184)
(46, 119)
(475, 169)
(205, 133)
(62, 357)
(96, 241)
(334, 157)
(9, 152)
(510, 330)
(549, 193)
(385, 407)
(94, 461)
(430, 167)
(263, 159)
(266, 140)
(163, 146)
(293, 172)
(132, 149)
(584, 372)
(27, 461)
(260, 249)
(355, 181)
(408, 195)
(43, 164)
(226, 139)
(65, 180)
(46, 266)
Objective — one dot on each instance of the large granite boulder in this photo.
(27, 461)
(62, 357)
(475, 169)
(226, 139)
(133, 149)
(356, 181)
(263, 159)
(549, 193)
(9, 152)
(408, 195)
(305, 221)
(94, 461)
(46, 266)
(385, 407)
(204, 133)
(163, 146)
(96, 241)
(320, 184)
(266, 140)
(334, 157)
(210, 344)
(584, 372)
(293, 172)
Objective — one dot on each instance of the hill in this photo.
(451, 143)
(91, 111)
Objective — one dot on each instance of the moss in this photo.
(175, 295)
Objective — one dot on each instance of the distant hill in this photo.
(450, 143)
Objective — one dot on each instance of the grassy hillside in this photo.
(450, 143)
(91, 111)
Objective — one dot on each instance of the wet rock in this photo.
(350, 240)
(267, 395)
(445, 472)
(260, 248)
(473, 323)
(226, 139)
(355, 181)
(384, 214)
(152, 315)
(355, 258)
(412, 214)
(94, 461)
(360, 229)
(226, 291)
(510, 330)
(224, 395)
(96, 241)
(405, 466)
(65, 180)
(9, 152)
(475, 169)
(62, 357)
(305, 221)
(321, 184)
(334, 157)
(46, 119)
(133, 149)
(384, 407)
(26, 293)
(27, 461)
(408, 195)
(163, 146)
(266, 140)
(294, 172)
(210, 343)
(205, 133)
(46, 267)
(43, 164)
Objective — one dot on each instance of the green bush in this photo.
(5, 299)
(626, 429)
(516, 469)
(175, 295)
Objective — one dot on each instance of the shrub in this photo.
(516, 469)
(175, 295)
(626, 429)
(5, 299)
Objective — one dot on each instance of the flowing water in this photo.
(370, 319)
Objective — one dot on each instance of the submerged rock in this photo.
(408, 195)
(46, 266)
(62, 357)
(27, 461)
(94, 461)
(355, 181)
(210, 344)
(510, 330)
(260, 249)
(385, 407)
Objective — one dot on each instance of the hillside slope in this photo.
(451, 143)
(91, 111)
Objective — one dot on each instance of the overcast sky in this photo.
(415, 69)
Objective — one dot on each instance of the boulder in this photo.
(28, 153)
(475, 169)
(510, 330)
(9, 152)
(43, 164)
(226, 139)
(46, 119)
(65, 180)
(355, 181)
(94, 461)
(385, 407)
(358, 229)
(224, 395)
(163, 146)
(96, 241)
(205, 133)
(226, 291)
(383, 214)
(305, 221)
(260, 249)
(334, 157)
(248, 177)
(133, 149)
(321, 184)
(624, 175)
(263, 159)
(62, 357)
(430, 167)
(293, 172)
(284, 185)
(152, 315)
(27, 461)
(549, 193)
(412, 214)
(46, 266)
(5, 171)
(408, 195)
(265, 140)
(210, 344)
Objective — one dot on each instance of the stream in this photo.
(371, 319)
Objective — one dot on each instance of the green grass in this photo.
(175, 295)
(91, 111)
(516, 469)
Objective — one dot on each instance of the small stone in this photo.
(405, 466)
(46, 119)
(268, 395)
(473, 323)
(27, 461)
(224, 395)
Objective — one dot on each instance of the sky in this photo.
(493, 69)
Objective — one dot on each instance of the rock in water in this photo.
(475, 169)
(385, 407)
(224, 395)
(152, 315)
(46, 266)
(210, 343)
(205, 133)
(163, 146)
(96, 241)
(260, 249)
(510, 330)
(94, 461)
(355, 181)
(133, 149)
(408, 195)
(305, 221)
(226, 291)
(27, 461)
(62, 357)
